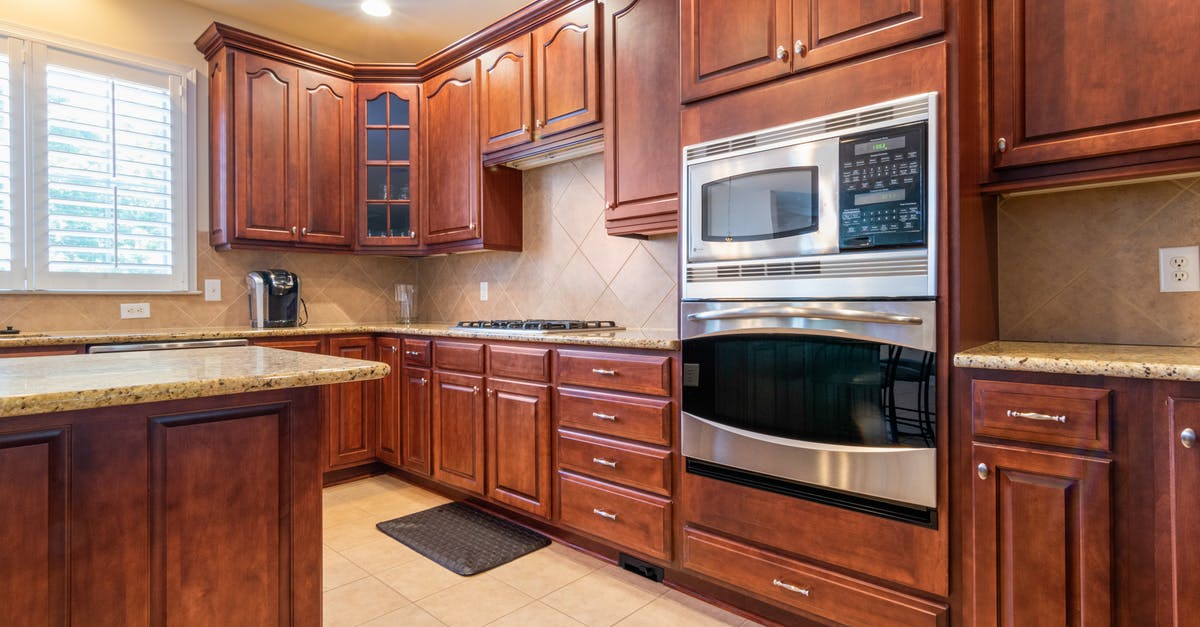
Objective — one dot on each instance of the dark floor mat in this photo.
(462, 538)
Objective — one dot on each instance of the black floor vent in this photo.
(637, 566)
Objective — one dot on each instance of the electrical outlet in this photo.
(483, 295)
(212, 289)
(1179, 269)
(135, 310)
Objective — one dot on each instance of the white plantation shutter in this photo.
(12, 234)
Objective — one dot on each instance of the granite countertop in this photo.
(651, 339)
(1175, 363)
(36, 385)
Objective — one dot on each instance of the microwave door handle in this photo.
(817, 313)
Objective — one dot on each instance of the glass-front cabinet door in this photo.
(387, 122)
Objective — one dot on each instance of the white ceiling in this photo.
(414, 30)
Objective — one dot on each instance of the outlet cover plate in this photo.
(212, 289)
(135, 310)
(1179, 269)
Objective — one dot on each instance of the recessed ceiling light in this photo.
(376, 8)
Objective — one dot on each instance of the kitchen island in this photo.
(164, 487)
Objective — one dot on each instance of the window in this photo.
(94, 172)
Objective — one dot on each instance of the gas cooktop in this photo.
(539, 327)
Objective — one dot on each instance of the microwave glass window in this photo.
(816, 389)
(760, 206)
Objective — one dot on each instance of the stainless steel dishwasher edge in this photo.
(165, 346)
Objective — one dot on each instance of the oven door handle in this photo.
(818, 313)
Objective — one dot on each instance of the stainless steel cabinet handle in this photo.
(412, 353)
(603, 514)
(781, 53)
(816, 313)
(778, 583)
(412, 234)
(538, 124)
(524, 128)
(604, 462)
(607, 373)
(1033, 415)
(471, 225)
(391, 348)
(982, 469)
(601, 416)
(1187, 438)
(800, 48)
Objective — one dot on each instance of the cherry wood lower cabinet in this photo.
(42, 351)
(1179, 529)
(458, 430)
(1043, 546)
(185, 512)
(518, 445)
(388, 448)
(415, 421)
(352, 413)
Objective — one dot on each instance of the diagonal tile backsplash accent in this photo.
(1082, 265)
(570, 267)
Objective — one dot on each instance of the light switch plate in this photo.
(212, 289)
(483, 290)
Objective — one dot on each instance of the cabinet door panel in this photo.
(326, 136)
(568, 91)
(451, 157)
(506, 95)
(832, 30)
(1064, 86)
(727, 44)
(1183, 414)
(266, 153)
(518, 453)
(390, 401)
(1043, 546)
(458, 430)
(388, 168)
(351, 423)
(415, 421)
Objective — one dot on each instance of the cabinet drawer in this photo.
(1048, 414)
(629, 373)
(642, 467)
(416, 352)
(631, 520)
(802, 586)
(645, 419)
(460, 356)
(516, 362)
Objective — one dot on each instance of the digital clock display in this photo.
(879, 145)
(871, 198)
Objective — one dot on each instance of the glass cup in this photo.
(406, 303)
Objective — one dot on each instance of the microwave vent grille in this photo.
(797, 132)
(819, 269)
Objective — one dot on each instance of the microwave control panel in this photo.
(882, 199)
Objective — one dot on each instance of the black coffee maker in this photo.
(274, 298)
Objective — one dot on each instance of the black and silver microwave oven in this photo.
(841, 206)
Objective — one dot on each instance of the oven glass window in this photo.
(764, 205)
(812, 388)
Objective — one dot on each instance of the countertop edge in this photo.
(1164, 363)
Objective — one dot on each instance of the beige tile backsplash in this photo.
(569, 267)
(1082, 266)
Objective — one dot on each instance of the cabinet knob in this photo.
(524, 128)
(424, 381)
(474, 389)
(1187, 438)
(391, 348)
(412, 234)
(781, 53)
(1002, 145)
(982, 469)
(799, 48)
(610, 206)
(293, 230)
(538, 124)
(471, 226)
(304, 231)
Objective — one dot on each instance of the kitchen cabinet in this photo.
(282, 148)
(387, 165)
(729, 44)
(351, 413)
(458, 430)
(389, 448)
(465, 205)
(41, 351)
(541, 84)
(1042, 533)
(415, 421)
(1180, 528)
(1073, 80)
(518, 445)
(641, 117)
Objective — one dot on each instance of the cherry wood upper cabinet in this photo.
(326, 142)
(566, 73)
(1074, 79)
(729, 44)
(641, 117)
(1043, 544)
(387, 165)
(451, 169)
(506, 94)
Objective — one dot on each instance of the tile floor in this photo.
(374, 581)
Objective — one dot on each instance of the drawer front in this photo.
(801, 586)
(514, 362)
(631, 520)
(1049, 414)
(643, 467)
(416, 352)
(643, 374)
(460, 356)
(645, 419)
